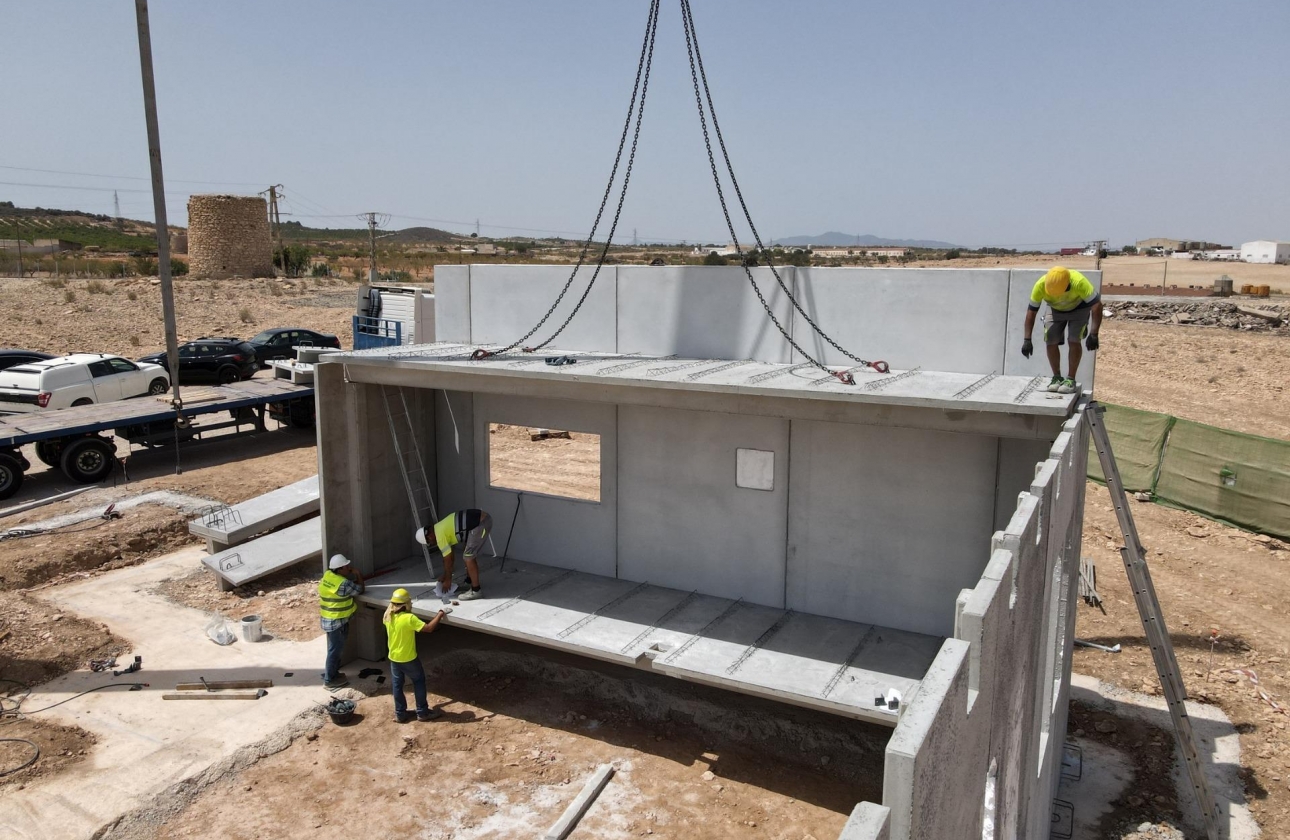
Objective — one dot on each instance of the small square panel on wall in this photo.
(755, 469)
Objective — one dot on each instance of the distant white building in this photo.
(1266, 251)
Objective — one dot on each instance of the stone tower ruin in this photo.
(228, 235)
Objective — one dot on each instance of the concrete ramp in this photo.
(806, 660)
(226, 526)
(265, 555)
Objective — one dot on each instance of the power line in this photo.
(129, 177)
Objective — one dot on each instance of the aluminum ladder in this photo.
(1153, 623)
(411, 467)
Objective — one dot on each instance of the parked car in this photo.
(9, 358)
(79, 379)
(221, 360)
(278, 343)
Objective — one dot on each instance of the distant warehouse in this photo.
(1266, 251)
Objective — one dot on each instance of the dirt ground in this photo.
(1209, 577)
(508, 756)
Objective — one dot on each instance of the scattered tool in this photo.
(579, 806)
(1096, 646)
(136, 665)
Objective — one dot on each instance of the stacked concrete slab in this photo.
(945, 503)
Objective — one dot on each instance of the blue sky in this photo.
(1007, 123)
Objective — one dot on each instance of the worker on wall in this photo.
(1073, 304)
(401, 629)
(467, 528)
(336, 591)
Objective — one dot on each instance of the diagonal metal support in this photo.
(1153, 621)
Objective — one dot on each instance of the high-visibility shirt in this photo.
(332, 604)
(1079, 295)
(454, 527)
(401, 636)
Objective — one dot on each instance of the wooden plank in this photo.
(579, 806)
(216, 684)
(213, 695)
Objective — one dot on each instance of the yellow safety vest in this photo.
(332, 605)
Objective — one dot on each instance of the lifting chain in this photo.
(640, 87)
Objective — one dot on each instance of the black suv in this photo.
(280, 343)
(221, 360)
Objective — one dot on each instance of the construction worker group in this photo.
(341, 582)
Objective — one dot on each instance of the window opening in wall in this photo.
(552, 462)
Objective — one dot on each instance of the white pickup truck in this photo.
(79, 379)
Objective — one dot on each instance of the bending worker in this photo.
(336, 591)
(465, 527)
(1073, 303)
(401, 629)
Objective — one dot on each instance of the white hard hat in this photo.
(421, 536)
(338, 561)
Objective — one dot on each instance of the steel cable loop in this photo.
(716, 179)
(697, 56)
(622, 195)
(647, 51)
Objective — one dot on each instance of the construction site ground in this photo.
(1211, 578)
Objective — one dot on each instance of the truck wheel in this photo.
(157, 387)
(10, 475)
(48, 451)
(88, 460)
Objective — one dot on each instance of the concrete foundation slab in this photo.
(809, 661)
(266, 555)
(229, 526)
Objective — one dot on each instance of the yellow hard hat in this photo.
(400, 596)
(1057, 281)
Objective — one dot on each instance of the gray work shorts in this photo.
(475, 539)
(1055, 325)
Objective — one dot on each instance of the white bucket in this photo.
(251, 627)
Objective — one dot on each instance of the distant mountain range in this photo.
(833, 237)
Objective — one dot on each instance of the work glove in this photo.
(1028, 348)
(1091, 342)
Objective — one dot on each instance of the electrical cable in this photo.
(35, 755)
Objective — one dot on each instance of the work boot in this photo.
(1055, 384)
(470, 595)
(1067, 386)
(433, 714)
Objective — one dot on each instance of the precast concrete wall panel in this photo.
(1020, 283)
(702, 312)
(508, 301)
(944, 319)
(683, 523)
(887, 525)
(566, 533)
(452, 304)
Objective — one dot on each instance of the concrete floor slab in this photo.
(811, 661)
(146, 745)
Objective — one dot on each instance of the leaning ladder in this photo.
(1162, 650)
(411, 466)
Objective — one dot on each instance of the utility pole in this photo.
(159, 210)
(276, 221)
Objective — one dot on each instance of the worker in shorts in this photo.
(467, 528)
(401, 629)
(1075, 315)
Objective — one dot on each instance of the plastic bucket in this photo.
(251, 628)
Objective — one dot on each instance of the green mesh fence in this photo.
(1230, 476)
(1137, 438)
